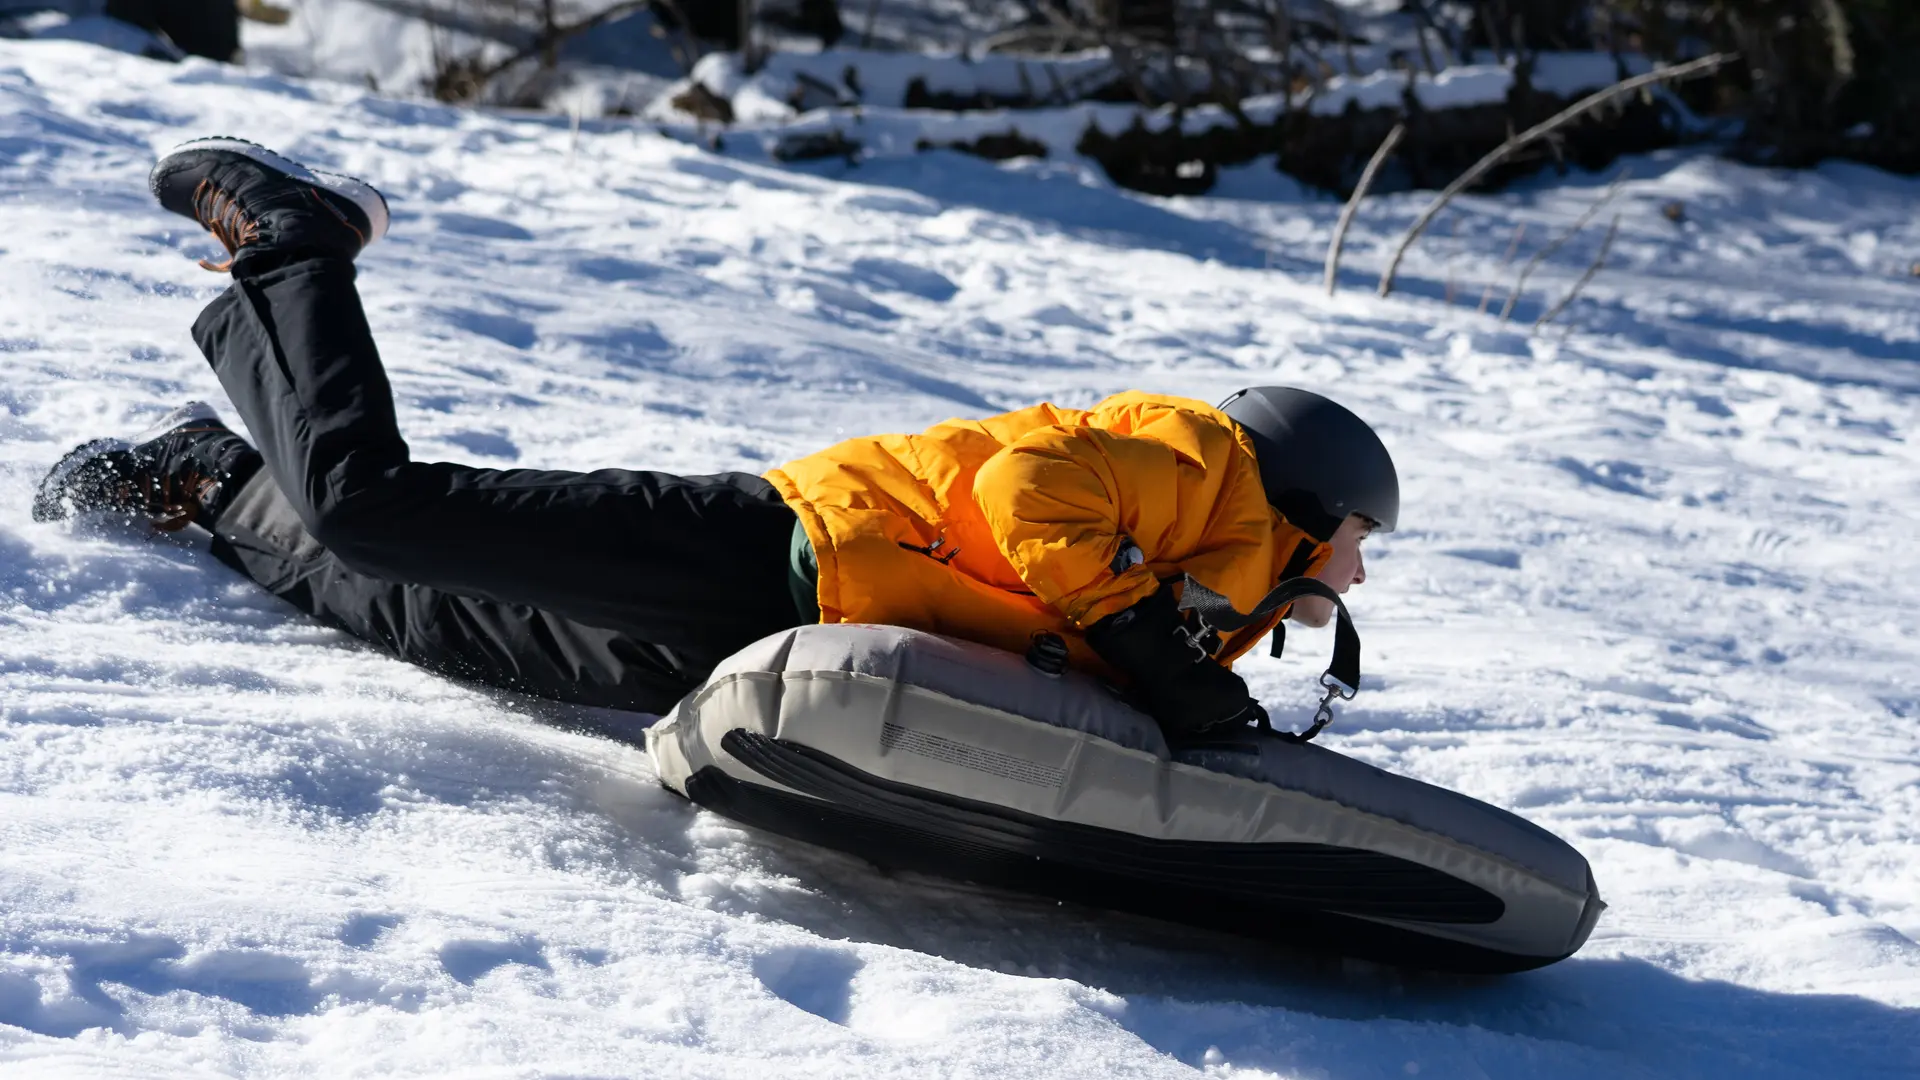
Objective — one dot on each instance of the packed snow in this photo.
(1654, 588)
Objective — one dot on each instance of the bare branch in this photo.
(1492, 24)
(1424, 13)
(1353, 202)
(1426, 54)
(1599, 260)
(691, 54)
(1513, 248)
(1451, 264)
(1507, 149)
(1280, 41)
(1338, 16)
(555, 34)
(1545, 253)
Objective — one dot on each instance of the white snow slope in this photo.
(1655, 588)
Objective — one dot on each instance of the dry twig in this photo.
(1513, 248)
(1353, 202)
(555, 33)
(1452, 288)
(1545, 253)
(1546, 127)
(1599, 260)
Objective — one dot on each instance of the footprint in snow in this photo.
(815, 980)
(487, 444)
(362, 930)
(1505, 560)
(1625, 477)
(892, 275)
(611, 268)
(514, 333)
(1730, 724)
(467, 959)
(485, 227)
(1061, 315)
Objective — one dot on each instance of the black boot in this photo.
(264, 209)
(181, 471)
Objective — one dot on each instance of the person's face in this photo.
(1345, 569)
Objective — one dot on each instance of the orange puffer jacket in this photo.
(992, 529)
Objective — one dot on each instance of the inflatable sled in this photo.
(923, 753)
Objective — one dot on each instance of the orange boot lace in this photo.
(222, 216)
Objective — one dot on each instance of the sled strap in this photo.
(1342, 677)
(1297, 564)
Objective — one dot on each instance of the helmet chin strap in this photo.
(1342, 677)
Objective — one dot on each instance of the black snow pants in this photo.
(610, 588)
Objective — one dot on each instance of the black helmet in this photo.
(1318, 461)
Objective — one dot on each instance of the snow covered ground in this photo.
(1655, 588)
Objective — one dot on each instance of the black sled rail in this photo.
(1315, 896)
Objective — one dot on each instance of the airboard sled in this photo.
(924, 753)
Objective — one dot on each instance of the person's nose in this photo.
(1360, 569)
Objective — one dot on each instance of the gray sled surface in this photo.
(951, 758)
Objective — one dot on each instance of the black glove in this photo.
(1174, 679)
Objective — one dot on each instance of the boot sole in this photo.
(48, 502)
(361, 194)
